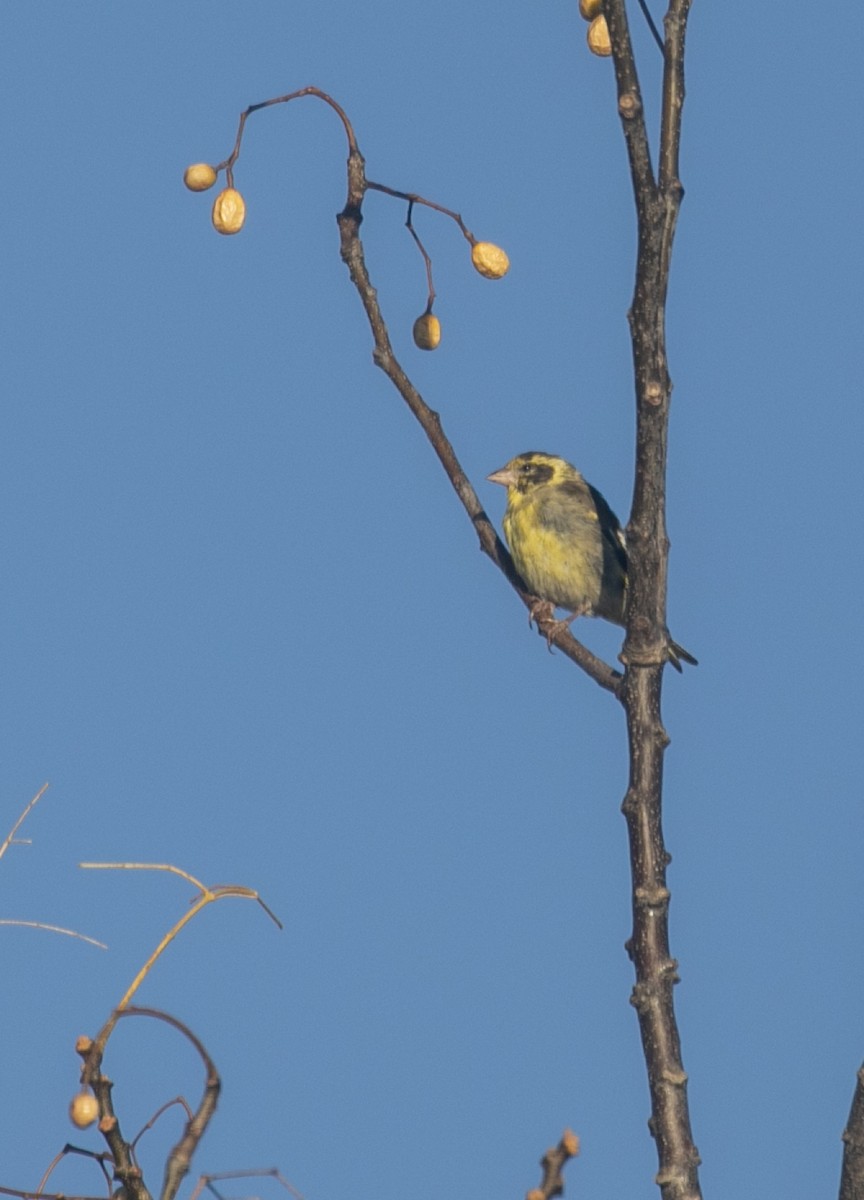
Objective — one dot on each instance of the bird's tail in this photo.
(677, 655)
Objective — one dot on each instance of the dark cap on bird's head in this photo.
(532, 469)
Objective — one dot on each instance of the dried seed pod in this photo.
(199, 177)
(229, 211)
(427, 331)
(598, 37)
(589, 9)
(490, 260)
(84, 1109)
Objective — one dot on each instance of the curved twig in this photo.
(180, 1158)
(101, 1159)
(207, 896)
(73, 933)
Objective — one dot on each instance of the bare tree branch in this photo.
(657, 204)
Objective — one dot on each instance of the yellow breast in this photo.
(559, 555)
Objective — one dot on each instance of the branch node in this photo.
(351, 212)
(630, 803)
(657, 897)
(653, 393)
(641, 996)
(553, 1162)
(629, 105)
(670, 969)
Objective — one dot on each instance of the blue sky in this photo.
(247, 628)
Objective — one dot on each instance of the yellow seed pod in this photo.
(427, 331)
(589, 9)
(229, 211)
(490, 260)
(84, 1109)
(199, 177)
(598, 37)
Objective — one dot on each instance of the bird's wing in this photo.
(613, 534)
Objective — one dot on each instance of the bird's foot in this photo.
(543, 612)
(540, 610)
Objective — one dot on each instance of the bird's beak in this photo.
(506, 477)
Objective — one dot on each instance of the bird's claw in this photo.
(540, 610)
(543, 612)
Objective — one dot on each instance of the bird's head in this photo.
(533, 469)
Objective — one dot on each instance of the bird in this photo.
(566, 542)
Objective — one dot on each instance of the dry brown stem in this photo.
(207, 896)
(28, 808)
(209, 1181)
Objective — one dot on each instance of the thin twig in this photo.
(99, 1157)
(180, 1158)
(207, 1181)
(54, 929)
(228, 164)
(28, 808)
(413, 198)
(178, 1101)
(646, 13)
(207, 896)
(430, 297)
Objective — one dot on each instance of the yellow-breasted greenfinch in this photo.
(566, 542)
